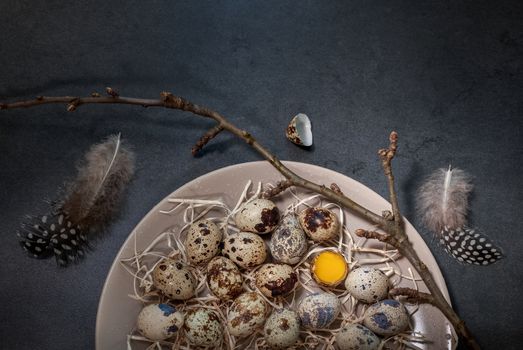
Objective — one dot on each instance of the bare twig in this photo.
(276, 190)
(395, 235)
(413, 296)
(208, 136)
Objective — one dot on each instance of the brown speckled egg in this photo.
(386, 317)
(367, 284)
(203, 328)
(320, 224)
(288, 242)
(275, 280)
(246, 249)
(224, 279)
(318, 310)
(202, 242)
(357, 337)
(282, 329)
(246, 314)
(259, 215)
(159, 321)
(174, 279)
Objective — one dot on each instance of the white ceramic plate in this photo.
(117, 312)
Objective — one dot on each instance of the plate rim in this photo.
(439, 278)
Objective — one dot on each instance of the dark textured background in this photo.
(446, 75)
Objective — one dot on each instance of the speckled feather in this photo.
(88, 205)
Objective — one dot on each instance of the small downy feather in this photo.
(86, 208)
(442, 203)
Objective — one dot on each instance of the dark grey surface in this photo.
(447, 77)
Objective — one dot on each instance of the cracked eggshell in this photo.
(203, 328)
(320, 224)
(275, 280)
(202, 242)
(318, 310)
(288, 243)
(367, 284)
(259, 215)
(246, 314)
(282, 329)
(159, 321)
(386, 317)
(174, 280)
(299, 130)
(245, 249)
(224, 279)
(356, 336)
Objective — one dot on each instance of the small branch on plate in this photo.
(413, 296)
(276, 190)
(393, 225)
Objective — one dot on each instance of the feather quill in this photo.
(442, 203)
(88, 204)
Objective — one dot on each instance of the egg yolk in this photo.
(329, 268)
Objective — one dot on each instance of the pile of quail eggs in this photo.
(268, 248)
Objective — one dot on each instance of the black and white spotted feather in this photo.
(443, 205)
(87, 206)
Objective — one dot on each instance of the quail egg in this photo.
(246, 249)
(203, 328)
(318, 310)
(246, 314)
(159, 321)
(320, 224)
(202, 242)
(282, 329)
(367, 284)
(357, 337)
(174, 280)
(288, 242)
(386, 317)
(224, 279)
(275, 280)
(259, 215)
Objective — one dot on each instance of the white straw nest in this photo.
(357, 252)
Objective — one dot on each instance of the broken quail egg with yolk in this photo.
(329, 268)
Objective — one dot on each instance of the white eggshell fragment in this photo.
(288, 242)
(299, 130)
(386, 317)
(246, 249)
(202, 242)
(367, 284)
(224, 279)
(174, 280)
(203, 328)
(275, 280)
(282, 329)
(159, 321)
(259, 215)
(357, 337)
(246, 314)
(320, 224)
(318, 310)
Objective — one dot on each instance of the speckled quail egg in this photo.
(367, 284)
(246, 314)
(203, 328)
(288, 242)
(259, 215)
(356, 337)
(386, 317)
(246, 249)
(174, 279)
(320, 224)
(275, 280)
(318, 310)
(282, 329)
(224, 279)
(159, 321)
(202, 242)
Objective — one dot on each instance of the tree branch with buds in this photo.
(390, 221)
